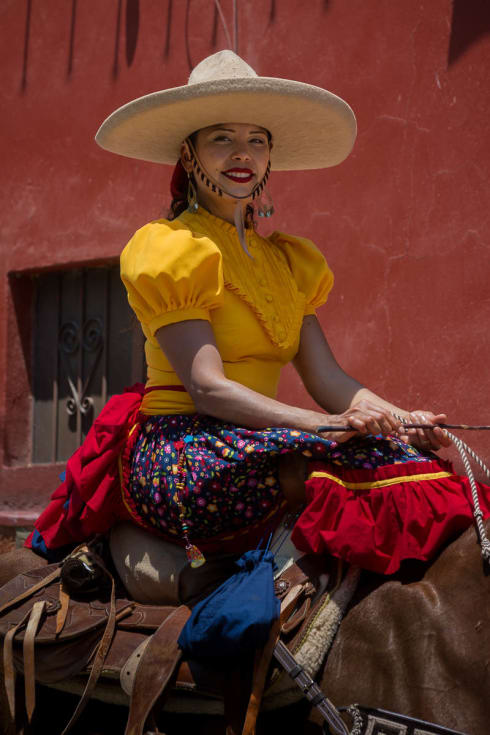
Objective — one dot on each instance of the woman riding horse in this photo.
(223, 309)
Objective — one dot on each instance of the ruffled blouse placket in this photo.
(262, 279)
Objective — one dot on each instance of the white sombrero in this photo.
(311, 128)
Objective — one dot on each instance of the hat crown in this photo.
(222, 65)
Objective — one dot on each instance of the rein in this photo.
(464, 450)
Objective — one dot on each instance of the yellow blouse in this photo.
(194, 267)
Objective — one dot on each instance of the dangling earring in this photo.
(265, 205)
(192, 204)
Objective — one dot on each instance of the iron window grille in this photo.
(87, 346)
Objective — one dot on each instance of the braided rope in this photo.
(464, 450)
(474, 456)
(357, 721)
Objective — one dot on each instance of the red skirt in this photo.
(375, 518)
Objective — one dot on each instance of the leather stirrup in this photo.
(157, 666)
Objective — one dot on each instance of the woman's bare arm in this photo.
(191, 348)
(334, 390)
(323, 377)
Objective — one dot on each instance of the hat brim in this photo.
(311, 127)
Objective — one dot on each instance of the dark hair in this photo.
(179, 185)
(178, 188)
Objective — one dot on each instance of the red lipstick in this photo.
(240, 175)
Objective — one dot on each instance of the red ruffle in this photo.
(89, 500)
(377, 518)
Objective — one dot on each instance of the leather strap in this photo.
(29, 663)
(311, 690)
(8, 663)
(63, 609)
(263, 660)
(264, 657)
(100, 656)
(298, 618)
(157, 666)
(237, 686)
(128, 671)
(31, 590)
(289, 603)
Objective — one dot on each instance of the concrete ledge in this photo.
(19, 517)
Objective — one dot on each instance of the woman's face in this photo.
(235, 154)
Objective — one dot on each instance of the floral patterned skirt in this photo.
(370, 494)
(231, 487)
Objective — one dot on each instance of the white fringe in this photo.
(315, 644)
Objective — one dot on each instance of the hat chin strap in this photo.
(202, 175)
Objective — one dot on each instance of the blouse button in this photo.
(262, 282)
(268, 298)
(281, 334)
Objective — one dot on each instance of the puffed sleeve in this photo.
(171, 274)
(308, 266)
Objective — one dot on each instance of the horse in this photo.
(417, 643)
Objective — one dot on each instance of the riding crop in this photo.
(466, 427)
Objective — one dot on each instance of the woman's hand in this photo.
(366, 417)
(426, 439)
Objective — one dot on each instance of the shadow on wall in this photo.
(131, 24)
(132, 28)
(470, 21)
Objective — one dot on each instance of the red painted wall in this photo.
(404, 223)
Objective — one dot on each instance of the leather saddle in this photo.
(119, 650)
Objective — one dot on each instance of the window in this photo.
(87, 346)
